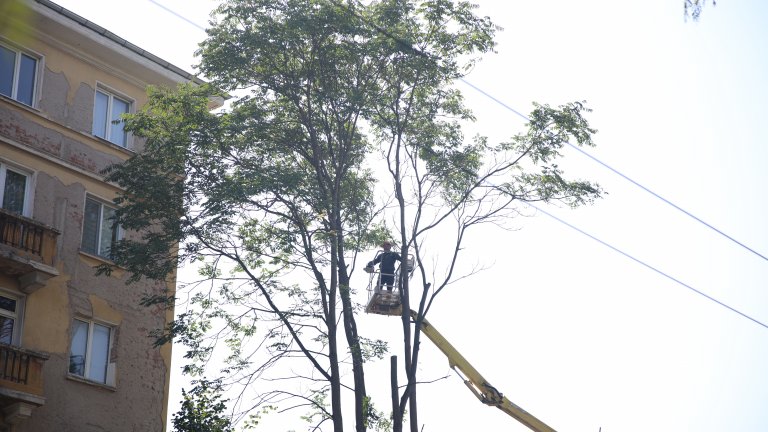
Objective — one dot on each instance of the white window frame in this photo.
(111, 95)
(119, 236)
(38, 78)
(17, 315)
(109, 376)
(28, 195)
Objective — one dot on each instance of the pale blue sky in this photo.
(572, 331)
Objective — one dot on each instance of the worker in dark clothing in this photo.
(388, 259)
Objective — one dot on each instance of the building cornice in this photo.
(105, 38)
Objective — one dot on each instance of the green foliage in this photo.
(275, 196)
(318, 402)
(157, 181)
(202, 410)
(373, 348)
(255, 418)
(375, 235)
(548, 131)
(376, 419)
(442, 182)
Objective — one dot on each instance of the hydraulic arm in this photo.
(477, 384)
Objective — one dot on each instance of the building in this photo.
(74, 348)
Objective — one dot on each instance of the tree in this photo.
(275, 197)
(274, 186)
(439, 179)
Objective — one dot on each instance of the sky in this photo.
(578, 334)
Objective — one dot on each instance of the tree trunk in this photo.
(358, 373)
(410, 368)
(333, 357)
(397, 418)
(350, 328)
(333, 348)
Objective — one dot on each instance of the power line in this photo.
(615, 249)
(173, 12)
(617, 172)
(648, 266)
(521, 115)
(417, 51)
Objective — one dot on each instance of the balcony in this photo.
(27, 250)
(21, 382)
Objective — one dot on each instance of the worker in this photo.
(387, 259)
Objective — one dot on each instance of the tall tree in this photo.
(273, 197)
(442, 182)
(271, 189)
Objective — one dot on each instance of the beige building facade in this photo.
(74, 348)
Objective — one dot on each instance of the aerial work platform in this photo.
(384, 302)
(385, 299)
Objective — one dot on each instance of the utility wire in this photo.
(615, 171)
(615, 249)
(173, 12)
(644, 264)
(417, 51)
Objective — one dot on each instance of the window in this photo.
(18, 75)
(107, 109)
(89, 352)
(100, 231)
(9, 319)
(14, 190)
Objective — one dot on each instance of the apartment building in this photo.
(74, 348)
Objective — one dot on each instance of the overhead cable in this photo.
(617, 172)
(582, 151)
(615, 249)
(173, 12)
(644, 264)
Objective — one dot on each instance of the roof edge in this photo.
(120, 41)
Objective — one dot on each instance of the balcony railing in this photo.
(21, 373)
(30, 238)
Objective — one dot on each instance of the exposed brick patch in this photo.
(83, 161)
(29, 133)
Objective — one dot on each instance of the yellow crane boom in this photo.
(476, 383)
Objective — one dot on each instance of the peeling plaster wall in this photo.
(137, 401)
(53, 140)
(55, 101)
(28, 130)
(79, 113)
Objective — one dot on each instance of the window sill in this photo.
(113, 145)
(20, 104)
(96, 260)
(105, 260)
(78, 378)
